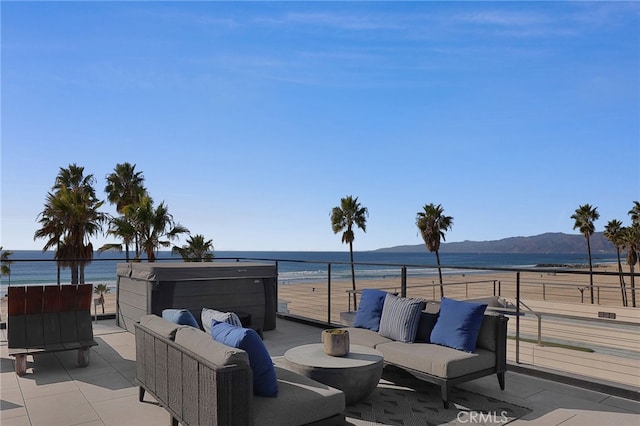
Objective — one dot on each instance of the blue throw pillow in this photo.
(265, 382)
(458, 324)
(370, 309)
(180, 316)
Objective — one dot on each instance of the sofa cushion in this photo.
(160, 326)
(180, 316)
(458, 324)
(209, 315)
(370, 309)
(264, 376)
(200, 343)
(364, 337)
(400, 317)
(300, 400)
(436, 360)
(425, 326)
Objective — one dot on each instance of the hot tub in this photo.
(242, 287)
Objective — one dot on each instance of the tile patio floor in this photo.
(55, 392)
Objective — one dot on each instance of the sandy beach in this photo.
(311, 300)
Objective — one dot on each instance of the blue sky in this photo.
(252, 120)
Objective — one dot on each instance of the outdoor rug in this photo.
(401, 399)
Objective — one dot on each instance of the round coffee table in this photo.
(356, 374)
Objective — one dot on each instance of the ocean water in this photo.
(36, 267)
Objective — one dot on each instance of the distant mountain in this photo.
(550, 242)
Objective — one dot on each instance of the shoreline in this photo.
(36, 267)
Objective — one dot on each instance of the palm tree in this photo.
(631, 242)
(613, 232)
(584, 217)
(73, 178)
(84, 220)
(343, 219)
(196, 249)
(634, 213)
(101, 289)
(154, 224)
(5, 268)
(433, 224)
(70, 217)
(124, 186)
(51, 228)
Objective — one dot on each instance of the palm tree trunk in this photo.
(74, 273)
(137, 245)
(625, 302)
(440, 274)
(633, 288)
(353, 277)
(151, 256)
(590, 270)
(58, 262)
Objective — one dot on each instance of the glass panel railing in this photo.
(550, 308)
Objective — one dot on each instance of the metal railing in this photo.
(324, 299)
(524, 288)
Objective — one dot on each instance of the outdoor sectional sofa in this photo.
(438, 364)
(201, 381)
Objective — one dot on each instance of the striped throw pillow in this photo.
(209, 315)
(400, 318)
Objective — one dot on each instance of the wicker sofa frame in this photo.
(197, 391)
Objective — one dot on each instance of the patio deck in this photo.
(56, 392)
